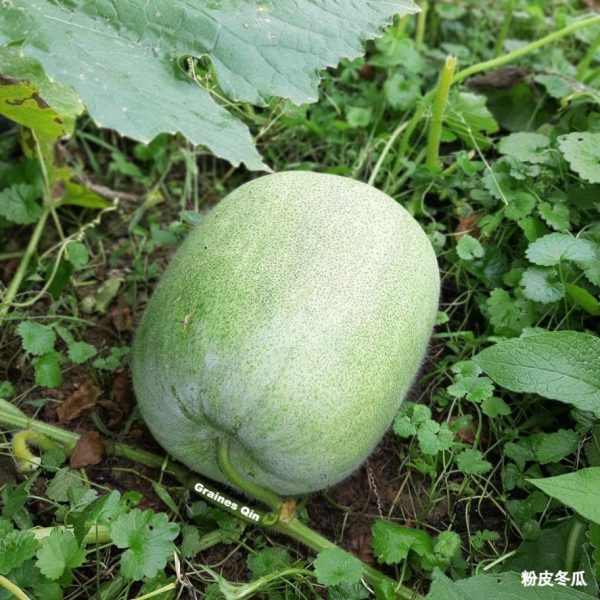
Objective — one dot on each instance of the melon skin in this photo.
(292, 320)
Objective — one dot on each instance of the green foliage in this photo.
(392, 542)
(471, 462)
(415, 419)
(502, 441)
(15, 547)
(334, 567)
(557, 365)
(58, 553)
(469, 248)
(582, 152)
(495, 587)
(148, 540)
(579, 490)
(18, 204)
(47, 370)
(246, 55)
(37, 339)
(269, 560)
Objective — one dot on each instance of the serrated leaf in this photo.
(401, 92)
(475, 389)
(404, 427)
(466, 368)
(148, 538)
(495, 407)
(507, 314)
(591, 267)
(14, 499)
(469, 248)
(593, 535)
(129, 66)
(553, 447)
(7, 389)
(18, 204)
(434, 437)
(15, 547)
(469, 118)
(77, 254)
(521, 204)
(79, 352)
(582, 152)
(63, 481)
(190, 543)
(334, 566)
(446, 547)
(471, 462)
(525, 146)
(560, 365)
(268, 561)
(47, 370)
(58, 553)
(538, 285)
(550, 250)
(36, 339)
(394, 50)
(485, 535)
(579, 490)
(348, 591)
(98, 511)
(392, 542)
(557, 216)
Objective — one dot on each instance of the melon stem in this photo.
(248, 487)
(289, 524)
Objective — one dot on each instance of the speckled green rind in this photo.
(293, 319)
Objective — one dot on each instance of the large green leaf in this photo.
(127, 59)
(549, 552)
(579, 490)
(560, 365)
(505, 586)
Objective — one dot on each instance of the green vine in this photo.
(440, 101)
(15, 590)
(248, 487)
(285, 519)
(493, 63)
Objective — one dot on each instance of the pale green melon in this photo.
(292, 320)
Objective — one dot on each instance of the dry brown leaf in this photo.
(466, 225)
(122, 399)
(122, 317)
(83, 398)
(500, 79)
(367, 72)
(89, 450)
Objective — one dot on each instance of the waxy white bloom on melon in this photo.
(292, 320)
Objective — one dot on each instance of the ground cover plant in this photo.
(483, 122)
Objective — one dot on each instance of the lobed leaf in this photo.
(130, 62)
